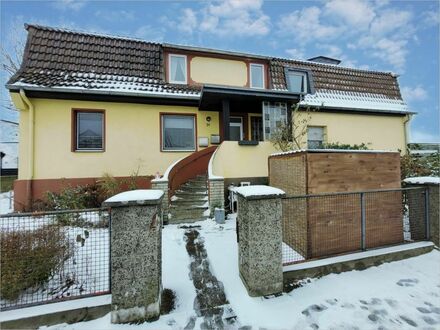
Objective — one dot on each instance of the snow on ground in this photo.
(86, 271)
(423, 180)
(6, 202)
(399, 295)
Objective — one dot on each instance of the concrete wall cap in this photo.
(134, 197)
(423, 180)
(259, 192)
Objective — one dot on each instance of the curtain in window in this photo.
(274, 116)
(178, 69)
(178, 133)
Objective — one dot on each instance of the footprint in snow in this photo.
(313, 308)
(407, 282)
(408, 320)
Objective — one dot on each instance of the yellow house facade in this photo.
(143, 111)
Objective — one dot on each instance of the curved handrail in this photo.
(188, 168)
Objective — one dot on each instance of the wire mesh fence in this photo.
(316, 226)
(54, 256)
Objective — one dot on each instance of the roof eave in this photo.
(341, 108)
(13, 87)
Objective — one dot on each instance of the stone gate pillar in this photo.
(136, 255)
(259, 229)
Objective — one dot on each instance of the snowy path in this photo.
(399, 295)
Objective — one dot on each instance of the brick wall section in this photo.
(162, 185)
(216, 193)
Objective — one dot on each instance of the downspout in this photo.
(406, 131)
(30, 107)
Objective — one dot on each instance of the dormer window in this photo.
(177, 69)
(257, 75)
(297, 81)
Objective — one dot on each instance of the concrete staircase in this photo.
(190, 201)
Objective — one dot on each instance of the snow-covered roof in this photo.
(258, 191)
(423, 180)
(353, 100)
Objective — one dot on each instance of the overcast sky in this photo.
(398, 36)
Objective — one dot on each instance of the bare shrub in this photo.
(30, 258)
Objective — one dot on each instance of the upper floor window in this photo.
(89, 130)
(297, 81)
(257, 75)
(177, 69)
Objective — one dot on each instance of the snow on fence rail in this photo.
(323, 225)
(54, 256)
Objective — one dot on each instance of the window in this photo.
(177, 69)
(178, 133)
(274, 117)
(257, 75)
(236, 129)
(297, 81)
(89, 130)
(315, 137)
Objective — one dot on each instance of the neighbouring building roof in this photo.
(68, 61)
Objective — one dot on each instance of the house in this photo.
(93, 104)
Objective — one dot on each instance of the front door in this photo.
(236, 128)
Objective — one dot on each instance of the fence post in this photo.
(260, 245)
(363, 223)
(136, 274)
(427, 224)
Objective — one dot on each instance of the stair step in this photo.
(184, 194)
(192, 189)
(176, 221)
(180, 207)
(188, 214)
(184, 202)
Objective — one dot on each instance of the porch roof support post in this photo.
(226, 119)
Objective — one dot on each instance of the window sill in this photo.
(88, 151)
(179, 150)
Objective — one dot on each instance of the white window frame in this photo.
(169, 69)
(263, 75)
(240, 124)
(323, 128)
(162, 123)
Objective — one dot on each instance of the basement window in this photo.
(89, 130)
(177, 69)
(178, 132)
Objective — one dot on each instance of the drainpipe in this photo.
(406, 131)
(30, 107)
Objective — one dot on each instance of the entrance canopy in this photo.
(246, 99)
